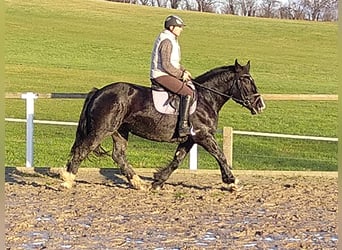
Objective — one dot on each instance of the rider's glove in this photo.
(186, 76)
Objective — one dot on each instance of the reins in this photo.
(211, 90)
(242, 101)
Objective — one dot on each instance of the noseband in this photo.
(245, 100)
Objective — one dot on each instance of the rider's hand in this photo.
(186, 76)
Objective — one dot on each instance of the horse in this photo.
(121, 108)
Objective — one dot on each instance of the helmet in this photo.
(173, 21)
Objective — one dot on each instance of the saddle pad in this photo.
(159, 100)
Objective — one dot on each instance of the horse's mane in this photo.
(215, 73)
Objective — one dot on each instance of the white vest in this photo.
(156, 67)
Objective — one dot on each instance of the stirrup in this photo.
(184, 132)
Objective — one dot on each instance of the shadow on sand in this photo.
(111, 177)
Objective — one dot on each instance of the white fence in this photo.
(227, 132)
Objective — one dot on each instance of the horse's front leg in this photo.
(164, 173)
(210, 144)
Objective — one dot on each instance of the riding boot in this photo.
(184, 107)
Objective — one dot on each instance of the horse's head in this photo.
(244, 90)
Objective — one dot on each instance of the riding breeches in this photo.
(174, 85)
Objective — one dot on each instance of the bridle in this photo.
(245, 99)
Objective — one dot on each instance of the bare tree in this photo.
(159, 3)
(311, 8)
(269, 8)
(285, 12)
(124, 1)
(330, 12)
(206, 5)
(189, 5)
(250, 7)
(174, 4)
(296, 10)
(144, 2)
(230, 7)
(315, 9)
(240, 7)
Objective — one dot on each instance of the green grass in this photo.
(249, 152)
(71, 46)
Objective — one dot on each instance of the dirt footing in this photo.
(194, 210)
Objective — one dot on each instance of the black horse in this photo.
(122, 108)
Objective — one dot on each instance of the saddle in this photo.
(166, 102)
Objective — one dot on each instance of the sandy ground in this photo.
(274, 210)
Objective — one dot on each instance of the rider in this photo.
(167, 71)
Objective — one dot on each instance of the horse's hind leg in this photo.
(163, 174)
(68, 176)
(79, 152)
(119, 156)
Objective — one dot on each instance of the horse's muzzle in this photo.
(257, 105)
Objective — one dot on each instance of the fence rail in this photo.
(300, 97)
(237, 132)
(227, 132)
(227, 139)
(271, 97)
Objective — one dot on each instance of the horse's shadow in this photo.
(50, 178)
(17, 175)
(36, 177)
(39, 176)
(47, 176)
(189, 186)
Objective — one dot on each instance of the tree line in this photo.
(312, 10)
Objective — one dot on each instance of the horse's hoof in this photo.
(234, 188)
(68, 179)
(156, 187)
(67, 185)
(138, 183)
(67, 176)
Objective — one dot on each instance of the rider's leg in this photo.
(174, 85)
(183, 124)
(186, 93)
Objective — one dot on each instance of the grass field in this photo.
(71, 46)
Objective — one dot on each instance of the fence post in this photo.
(228, 144)
(29, 96)
(193, 157)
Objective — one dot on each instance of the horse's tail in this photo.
(84, 125)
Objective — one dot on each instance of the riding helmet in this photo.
(173, 21)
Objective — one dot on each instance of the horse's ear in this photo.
(237, 66)
(248, 65)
